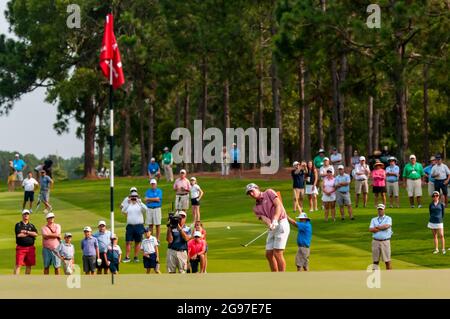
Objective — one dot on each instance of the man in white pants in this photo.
(270, 210)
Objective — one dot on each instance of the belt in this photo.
(381, 239)
(182, 194)
(67, 258)
(154, 207)
(178, 249)
(343, 192)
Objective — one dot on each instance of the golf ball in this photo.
(228, 227)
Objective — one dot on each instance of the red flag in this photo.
(110, 52)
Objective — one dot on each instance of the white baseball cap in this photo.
(193, 178)
(87, 228)
(381, 206)
(302, 216)
(102, 222)
(326, 159)
(341, 167)
(153, 181)
(251, 187)
(25, 211)
(152, 159)
(412, 156)
(67, 235)
(183, 171)
(295, 163)
(166, 148)
(197, 234)
(182, 212)
(133, 189)
(49, 215)
(362, 158)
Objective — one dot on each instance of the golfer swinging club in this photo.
(270, 210)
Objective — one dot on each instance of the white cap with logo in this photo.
(153, 181)
(381, 206)
(49, 215)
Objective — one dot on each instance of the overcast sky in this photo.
(29, 126)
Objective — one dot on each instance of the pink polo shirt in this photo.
(51, 243)
(182, 183)
(195, 247)
(379, 177)
(265, 206)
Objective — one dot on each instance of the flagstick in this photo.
(111, 157)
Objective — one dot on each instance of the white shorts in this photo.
(436, 226)
(153, 216)
(331, 198)
(278, 237)
(414, 187)
(311, 190)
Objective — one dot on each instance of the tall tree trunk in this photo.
(89, 139)
(401, 105)
(101, 139)
(376, 129)
(186, 105)
(339, 101)
(370, 125)
(301, 111)
(226, 103)
(151, 125)
(426, 146)
(126, 152)
(320, 133)
(142, 146)
(177, 110)
(276, 99)
(261, 79)
(204, 103)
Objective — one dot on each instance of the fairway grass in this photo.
(342, 245)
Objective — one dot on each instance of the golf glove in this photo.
(273, 225)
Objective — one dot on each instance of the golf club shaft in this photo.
(256, 238)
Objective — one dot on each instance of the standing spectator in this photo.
(312, 179)
(436, 222)
(153, 200)
(91, 254)
(150, 252)
(329, 195)
(46, 183)
(11, 177)
(196, 252)
(362, 172)
(379, 182)
(428, 178)
(413, 173)
(381, 227)
(153, 169)
(355, 158)
(26, 234)
(303, 240)
(66, 252)
(126, 201)
(392, 176)
(235, 155)
(342, 184)
(167, 162)
(29, 184)
(325, 167)
(182, 187)
(114, 255)
(336, 158)
(318, 160)
(441, 175)
(270, 210)
(103, 237)
(225, 163)
(51, 236)
(177, 238)
(19, 166)
(196, 196)
(135, 212)
(298, 179)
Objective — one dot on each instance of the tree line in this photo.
(313, 69)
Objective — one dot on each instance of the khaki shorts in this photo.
(392, 189)
(302, 257)
(153, 216)
(278, 237)
(361, 186)
(298, 192)
(343, 199)
(182, 202)
(414, 187)
(381, 249)
(176, 260)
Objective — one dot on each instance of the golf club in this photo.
(254, 239)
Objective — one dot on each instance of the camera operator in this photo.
(178, 234)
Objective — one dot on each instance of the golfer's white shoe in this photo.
(436, 251)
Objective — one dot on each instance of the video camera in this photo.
(174, 219)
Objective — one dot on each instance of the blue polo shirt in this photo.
(235, 154)
(342, 179)
(45, 183)
(104, 240)
(304, 234)
(89, 245)
(395, 169)
(378, 221)
(427, 170)
(18, 165)
(153, 167)
(152, 193)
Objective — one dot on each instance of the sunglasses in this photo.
(435, 195)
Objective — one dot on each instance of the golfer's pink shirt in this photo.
(265, 206)
(182, 183)
(379, 177)
(51, 243)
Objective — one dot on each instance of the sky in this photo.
(29, 126)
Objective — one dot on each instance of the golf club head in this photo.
(243, 245)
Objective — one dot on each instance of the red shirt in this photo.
(195, 247)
